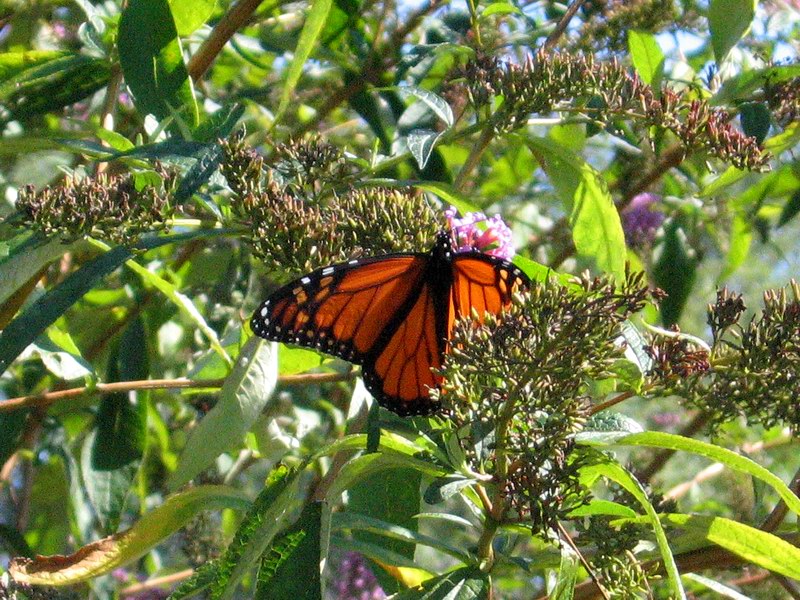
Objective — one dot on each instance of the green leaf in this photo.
(674, 270)
(291, 566)
(729, 21)
(741, 238)
(616, 473)
(243, 396)
(152, 61)
(442, 488)
(22, 257)
(23, 330)
(190, 15)
(654, 439)
(722, 590)
(467, 583)
(500, 8)
(383, 534)
(391, 495)
(105, 555)
(596, 226)
(48, 518)
(11, 424)
(567, 574)
(755, 118)
(317, 15)
(184, 304)
(65, 364)
(34, 83)
(790, 209)
(297, 360)
(603, 507)
(201, 580)
(648, 59)
(753, 545)
(270, 513)
(114, 448)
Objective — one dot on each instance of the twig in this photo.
(611, 402)
(778, 514)
(475, 154)
(47, 398)
(564, 534)
(156, 582)
(562, 25)
(223, 31)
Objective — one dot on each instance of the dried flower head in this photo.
(495, 239)
(119, 208)
(516, 387)
(754, 375)
(604, 92)
(783, 99)
(611, 21)
(725, 312)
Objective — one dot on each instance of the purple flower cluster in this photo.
(356, 581)
(640, 221)
(495, 239)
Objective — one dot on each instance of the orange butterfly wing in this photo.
(342, 309)
(393, 315)
(483, 282)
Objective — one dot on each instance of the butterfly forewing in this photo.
(483, 283)
(341, 309)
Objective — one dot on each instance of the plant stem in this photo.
(47, 398)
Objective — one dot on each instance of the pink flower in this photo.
(494, 238)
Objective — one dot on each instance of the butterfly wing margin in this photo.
(342, 309)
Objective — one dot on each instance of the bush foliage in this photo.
(165, 165)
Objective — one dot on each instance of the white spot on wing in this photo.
(305, 280)
(328, 270)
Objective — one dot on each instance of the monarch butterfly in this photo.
(392, 314)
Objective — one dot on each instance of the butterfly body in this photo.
(391, 314)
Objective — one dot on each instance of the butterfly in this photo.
(391, 314)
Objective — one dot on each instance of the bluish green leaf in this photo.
(674, 270)
(315, 21)
(243, 396)
(420, 143)
(442, 488)
(729, 21)
(152, 61)
(755, 118)
(647, 56)
(433, 101)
